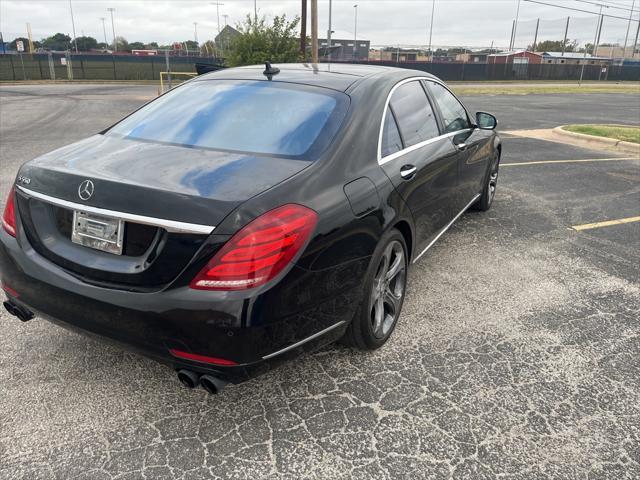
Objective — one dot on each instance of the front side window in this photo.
(453, 113)
(413, 113)
(248, 116)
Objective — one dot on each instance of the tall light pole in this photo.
(626, 38)
(255, 11)
(73, 25)
(195, 32)
(104, 31)
(355, 30)
(329, 32)
(113, 29)
(433, 9)
(218, 5)
(515, 28)
(314, 31)
(225, 16)
(303, 29)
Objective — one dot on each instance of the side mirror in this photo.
(486, 121)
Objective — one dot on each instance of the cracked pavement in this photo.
(517, 355)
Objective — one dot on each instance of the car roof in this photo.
(337, 76)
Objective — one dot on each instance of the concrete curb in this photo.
(594, 141)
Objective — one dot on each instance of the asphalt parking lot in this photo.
(517, 355)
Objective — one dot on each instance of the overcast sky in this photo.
(474, 23)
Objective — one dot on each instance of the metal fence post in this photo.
(166, 59)
(13, 70)
(69, 66)
(40, 68)
(113, 59)
(52, 68)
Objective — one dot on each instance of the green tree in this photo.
(208, 48)
(190, 44)
(137, 46)
(554, 46)
(122, 43)
(59, 41)
(152, 46)
(259, 42)
(86, 43)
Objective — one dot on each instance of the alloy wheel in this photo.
(493, 181)
(388, 289)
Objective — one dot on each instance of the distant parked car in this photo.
(247, 215)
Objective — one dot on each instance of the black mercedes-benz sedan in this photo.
(247, 215)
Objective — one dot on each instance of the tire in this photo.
(385, 286)
(489, 191)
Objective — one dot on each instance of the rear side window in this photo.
(248, 116)
(391, 141)
(413, 113)
(454, 115)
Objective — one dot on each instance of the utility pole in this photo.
(225, 16)
(566, 31)
(113, 29)
(626, 38)
(433, 9)
(515, 27)
(329, 32)
(73, 25)
(255, 11)
(303, 30)
(104, 31)
(597, 37)
(635, 43)
(314, 31)
(218, 5)
(355, 31)
(535, 37)
(195, 32)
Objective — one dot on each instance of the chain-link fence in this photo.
(60, 66)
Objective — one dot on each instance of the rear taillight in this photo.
(260, 251)
(9, 215)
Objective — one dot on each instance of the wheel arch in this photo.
(405, 229)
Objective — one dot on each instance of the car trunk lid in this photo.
(171, 198)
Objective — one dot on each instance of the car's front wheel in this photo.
(384, 291)
(489, 191)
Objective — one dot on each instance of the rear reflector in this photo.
(202, 358)
(10, 290)
(259, 251)
(9, 215)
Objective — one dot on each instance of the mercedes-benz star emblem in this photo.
(85, 190)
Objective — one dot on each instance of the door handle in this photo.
(408, 171)
(461, 147)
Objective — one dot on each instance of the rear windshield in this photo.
(248, 116)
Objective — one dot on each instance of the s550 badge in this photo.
(25, 180)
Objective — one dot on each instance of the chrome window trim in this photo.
(382, 160)
(168, 225)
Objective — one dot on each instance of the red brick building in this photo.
(515, 57)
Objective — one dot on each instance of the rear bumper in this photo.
(302, 311)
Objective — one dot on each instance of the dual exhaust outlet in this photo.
(23, 314)
(210, 383)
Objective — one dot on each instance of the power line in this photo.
(607, 5)
(578, 10)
